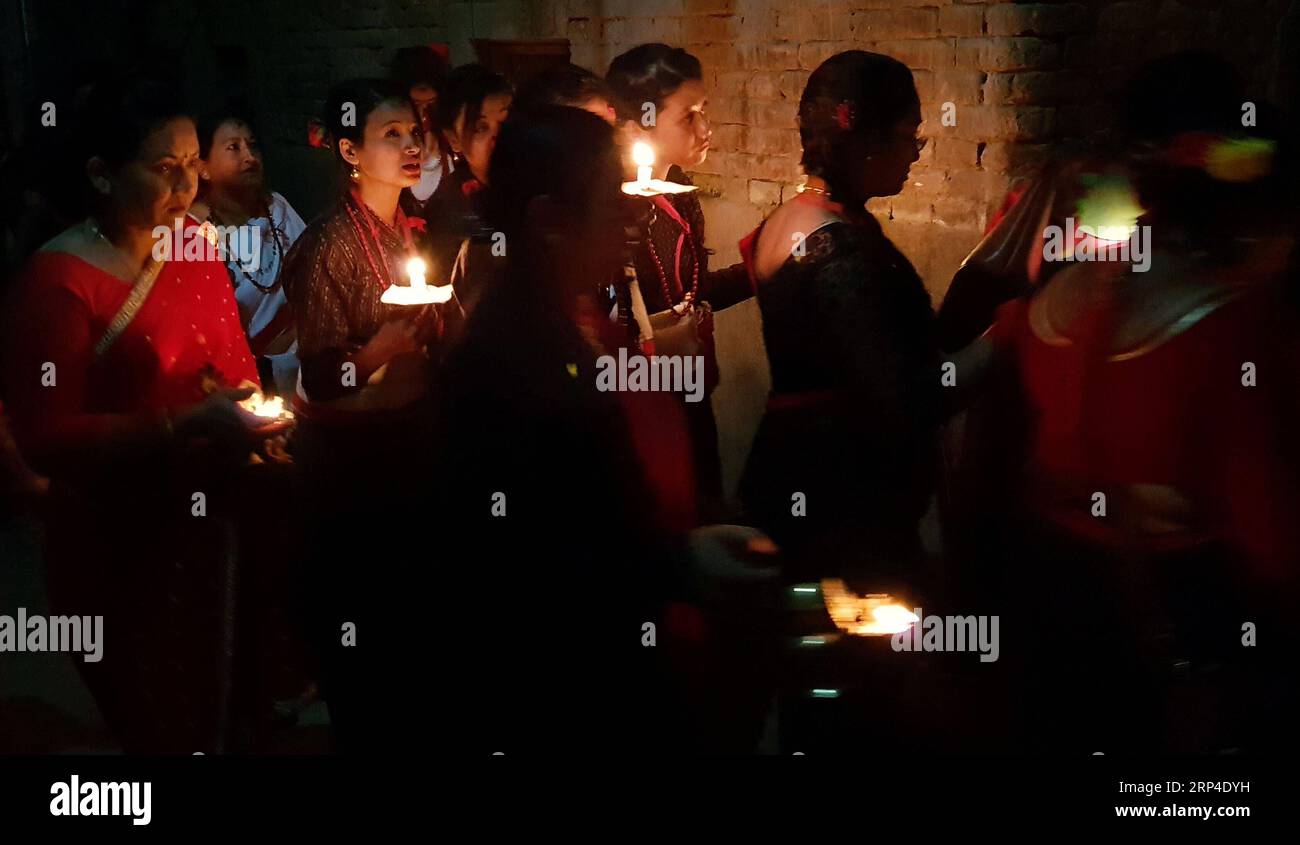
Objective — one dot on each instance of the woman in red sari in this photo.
(120, 376)
(1159, 489)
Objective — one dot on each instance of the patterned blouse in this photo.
(331, 280)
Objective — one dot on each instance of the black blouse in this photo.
(720, 288)
(855, 405)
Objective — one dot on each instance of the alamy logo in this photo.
(82, 634)
(951, 633)
(241, 244)
(656, 373)
(1102, 243)
(91, 798)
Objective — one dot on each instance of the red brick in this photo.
(1034, 87)
(1039, 19)
(763, 141)
(710, 29)
(792, 84)
(954, 152)
(962, 21)
(910, 208)
(764, 193)
(813, 53)
(892, 24)
(1015, 123)
(1006, 53)
(930, 54)
(763, 86)
(958, 86)
(782, 115)
(1014, 158)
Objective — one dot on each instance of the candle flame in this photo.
(643, 154)
(267, 407)
(415, 268)
(874, 614)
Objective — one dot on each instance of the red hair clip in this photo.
(844, 116)
(416, 223)
(317, 135)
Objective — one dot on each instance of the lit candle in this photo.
(267, 408)
(644, 156)
(415, 269)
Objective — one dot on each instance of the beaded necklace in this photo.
(357, 210)
(690, 296)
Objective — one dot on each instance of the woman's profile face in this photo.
(235, 159)
(888, 161)
(681, 131)
(159, 184)
(477, 142)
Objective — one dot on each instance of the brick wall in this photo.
(1019, 76)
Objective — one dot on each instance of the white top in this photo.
(257, 307)
(430, 177)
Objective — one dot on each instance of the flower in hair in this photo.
(1240, 159)
(416, 223)
(844, 116)
(317, 135)
(1223, 158)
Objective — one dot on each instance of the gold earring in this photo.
(356, 175)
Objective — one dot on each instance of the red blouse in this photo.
(188, 325)
(1177, 416)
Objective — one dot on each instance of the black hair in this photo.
(851, 100)
(1181, 92)
(364, 95)
(649, 73)
(563, 85)
(209, 122)
(467, 87)
(547, 151)
(1198, 92)
(420, 65)
(120, 113)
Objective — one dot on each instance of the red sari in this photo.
(1174, 414)
(124, 540)
(187, 325)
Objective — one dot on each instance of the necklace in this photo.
(812, 189)
(354, 205)
(688, 296)
(276, 245)
(93, 225)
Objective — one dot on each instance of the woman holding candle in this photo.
(852, 418)
(121, 375)
(363, 400)
(672, 263)
(233, 193)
